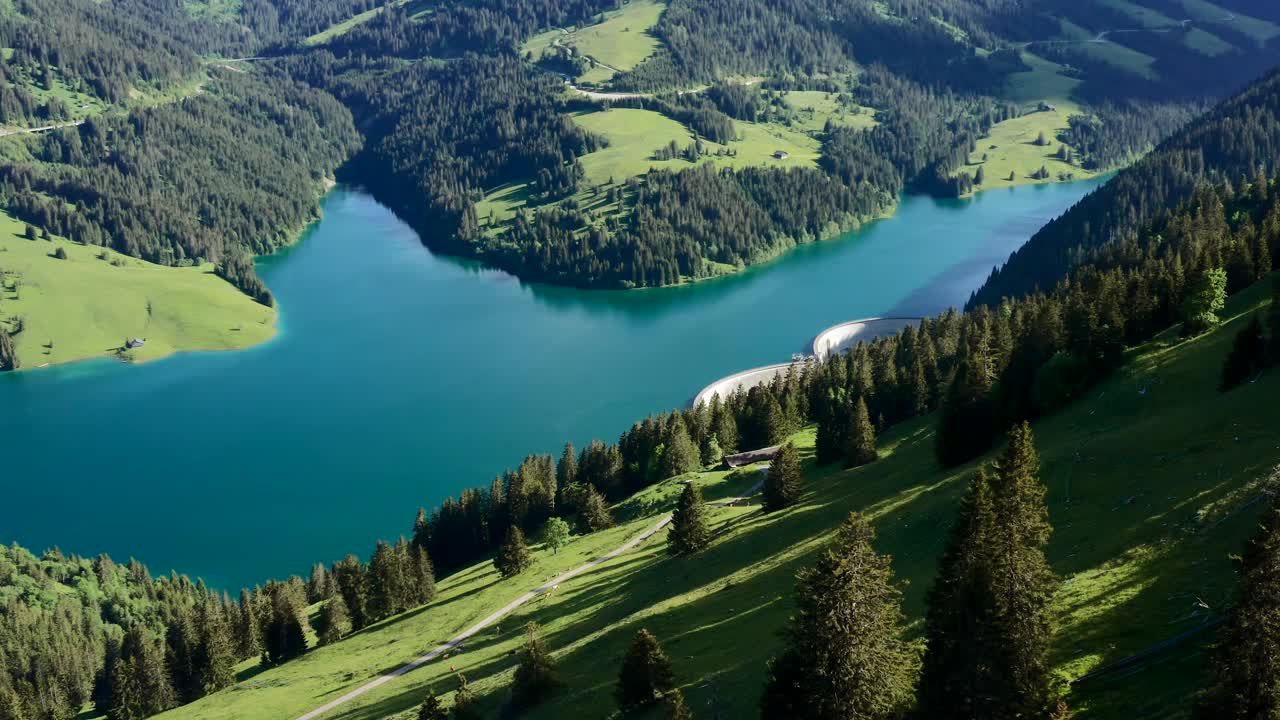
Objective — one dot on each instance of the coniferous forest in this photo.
(202, 132)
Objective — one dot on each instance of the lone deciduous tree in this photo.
(688, 533)
(844, 655)
(555, 534)
(1207, 298)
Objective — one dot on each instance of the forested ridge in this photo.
(147, 184)
(1233, 144)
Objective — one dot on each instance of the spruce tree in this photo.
(140, 687)
(680, 455)
(431, 708)
(1248, 355)
(217, 648)
(595, 512)
(353, 584)
(844, 654)
(334, 621)
(646, 675)
(724, 427)
(1273, 328)
(782, 479)
(421, 575)
(513, 557)
(1022, 583)
(535, 677)
(860, 448)
(283, 637)
(386, 582)
(247, 636)
(688, 533)
(956, 615)
(464, 702)
(980, 176)
(966, 428)
(1244, 668)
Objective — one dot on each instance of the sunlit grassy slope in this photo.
(1010, 147)
(87, 306)
(1153, 482)
(620, 41)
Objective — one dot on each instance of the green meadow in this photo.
(1262, 31)
(1010, 147)
(89, 304)
(620, 41)
(1114, 54)
(1142, 541)
(635, 135)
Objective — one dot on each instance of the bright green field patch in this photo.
(1011, 146)
(621, 41)
(345, 26)
(1106, 51)
(85, 307)
(225, 10)
(1146, 17)
(816, 107)
(1151, 480)
(1206, 42)
(634, 135)
(1260, 30)
(1044, 81)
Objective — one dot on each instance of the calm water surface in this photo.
(400, 377)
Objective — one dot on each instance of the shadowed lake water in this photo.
(400, 377)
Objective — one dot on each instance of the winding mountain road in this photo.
(506, 610)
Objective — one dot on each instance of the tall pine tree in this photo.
(844, 655)
(688, 533)
(782, 479)
(513, 557)
(646, 675)
(536, 676)
(988, 626)
(860, 447)
(1244, 667)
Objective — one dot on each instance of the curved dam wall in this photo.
(833, 340)
(839, 338)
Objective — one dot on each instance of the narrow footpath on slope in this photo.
(508, 609)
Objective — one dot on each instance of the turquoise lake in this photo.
(400, 377)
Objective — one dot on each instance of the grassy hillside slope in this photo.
(88, 304)
(1153, 482)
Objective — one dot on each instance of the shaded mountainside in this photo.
(1233, 144)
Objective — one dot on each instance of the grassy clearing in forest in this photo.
(85, 307)
(1260, 30)
(634, 136)
(620, 41)
(1010, 147)
(1045, 81)
(1152, 479)
(1085, 42)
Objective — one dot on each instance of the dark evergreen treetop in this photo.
(844, 655)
